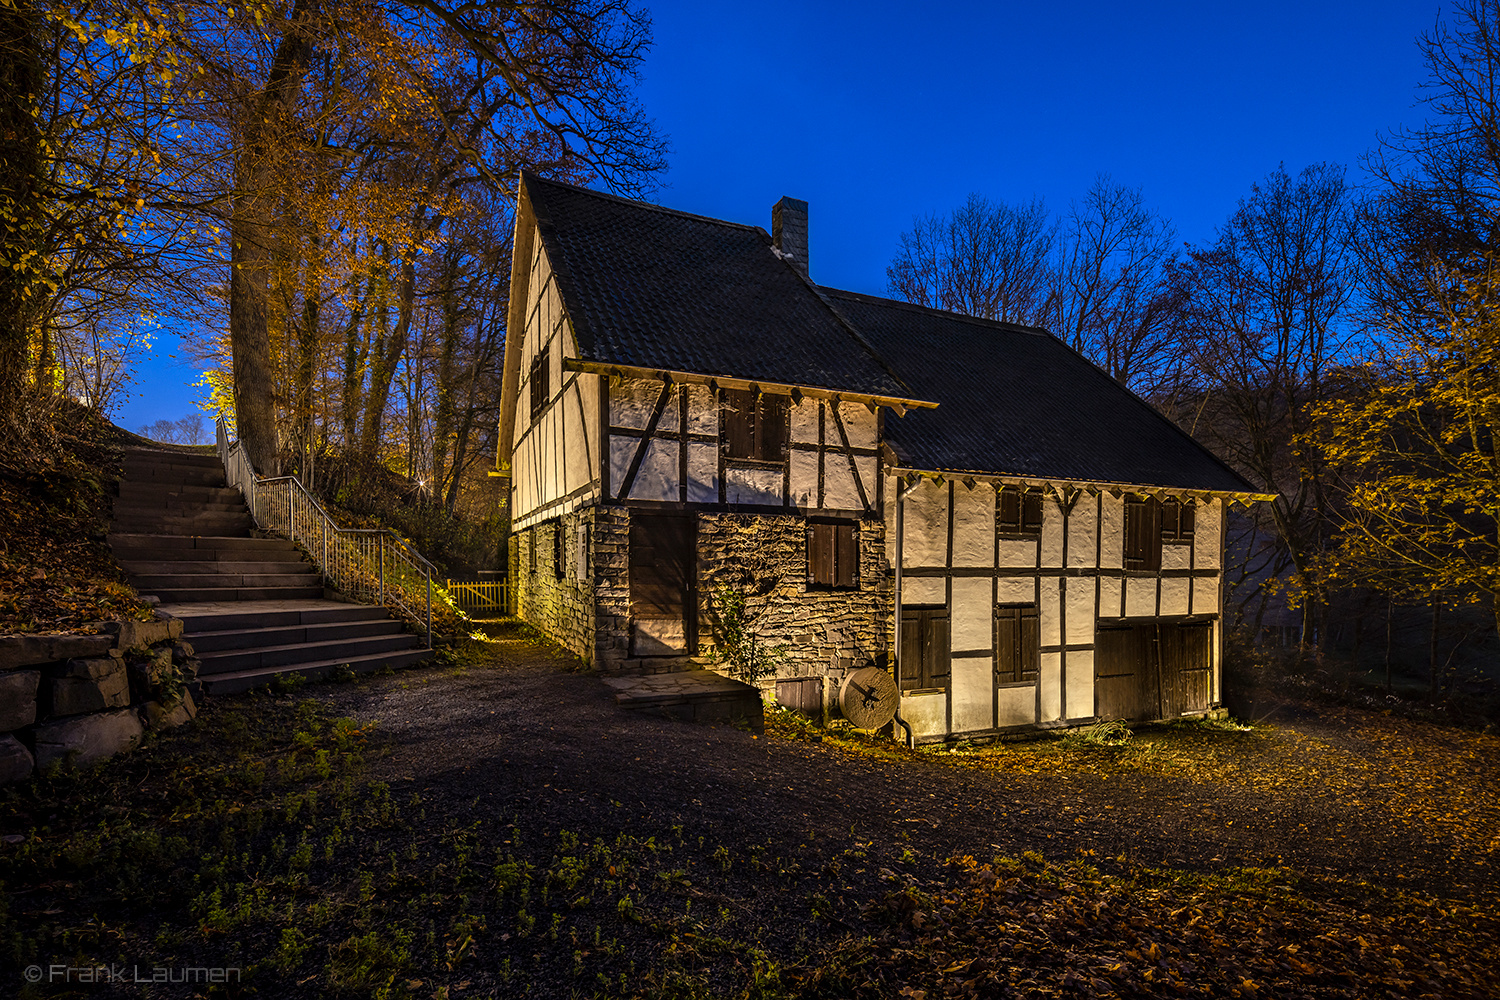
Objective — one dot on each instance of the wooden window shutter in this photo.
(737, 414)
(1010, 509)
(1031, 512)
(936, 654)
(846, 556)
(1007, 645)
(772, 425)
(541, 383)
(558, 560)
(1031, 644)
(1187, 522)
(531, 556)
(1142, 534)
(821, 554)
(1169, 520)
(911, 650)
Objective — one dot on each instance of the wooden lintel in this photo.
(899, 404)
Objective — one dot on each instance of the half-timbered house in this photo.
(685, 410)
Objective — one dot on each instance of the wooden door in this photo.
(1125, 685)
(663, 584)
(1151, 669)
(1185, 667)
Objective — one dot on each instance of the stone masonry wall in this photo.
(557, 598)
(827, 632)
(86, 697)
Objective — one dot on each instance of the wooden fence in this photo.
(481, 599)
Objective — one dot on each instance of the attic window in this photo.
(541, 384)
(1177, 521)
(755, 426)
(1020, 511)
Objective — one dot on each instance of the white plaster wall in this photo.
(973, 525)
(839, 491)
(1051, 677)
(1140, 597)
(1176, 556)
(1080, 685)
(973, 705)
(703, 415)
(703, 473)
(1112, 552)
(1109, 597)
(1080, 612)
(923, 590)
(1208, 527)
(804, 478)
(631, 401)
(1206, 596)
(1015, 590)
(1052, 533)
(1174, 596)
(1050, 605)
(804, 416)
(927, 714)
(1017, 705)
(1016, 553)
(759, 486)
(925, 526)
(657, 478)
(1082, 525)
(972, 615)
(859, 423)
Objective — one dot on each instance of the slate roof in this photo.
(657, 288)
(1015, 400)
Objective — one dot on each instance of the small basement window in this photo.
(754, 426)
(541, 383)
(559, 563)
(833, 554)
(1020, 511)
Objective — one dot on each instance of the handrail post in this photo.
(380, 538)
(429, 609)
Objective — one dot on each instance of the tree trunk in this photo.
(252, 226)
(383, 366)
(443, 412)
(1433, 670)
(21, 81)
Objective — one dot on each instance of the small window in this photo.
(754, 426)
(924, 655)
(535, 542)
(541, 383)
(833, 555)
(1020, 511)
(1018, 648)
(559, 564)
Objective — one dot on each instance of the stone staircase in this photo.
(253, 608)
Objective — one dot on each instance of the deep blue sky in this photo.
(878, 112)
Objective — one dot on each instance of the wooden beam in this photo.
(640, 453)
(897, 403)
(859, 484)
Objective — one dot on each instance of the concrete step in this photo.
(168, 595)
(246, 638)
(692, 695)
(151, 456)
(211, 494)
(280, 565)
(136, 545)
(246, 680)
(156, 583)
(165, 474)
(137, 506)
(201, 617)
(252, 658)
(209, 523)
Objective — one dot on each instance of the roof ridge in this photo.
(947, 313)
(633, 203)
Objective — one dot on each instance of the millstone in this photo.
(869, 698)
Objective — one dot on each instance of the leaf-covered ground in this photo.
(496, 827)
(56, 571)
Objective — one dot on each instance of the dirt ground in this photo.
(1334, 794)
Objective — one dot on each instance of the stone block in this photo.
(89, 686)
(18, 698)
(158, 716)
(31, 650)
(16, 762)
(137, 635)
(87, 737)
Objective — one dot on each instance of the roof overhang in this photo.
(1062, 487)
(896, 403)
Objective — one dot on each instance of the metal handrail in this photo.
(374, 565)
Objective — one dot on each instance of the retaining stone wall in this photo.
(554, 596)
(86, 697)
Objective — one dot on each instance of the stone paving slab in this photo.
(684, 685)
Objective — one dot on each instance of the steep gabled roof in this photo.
(1015, 400)
(655, 288)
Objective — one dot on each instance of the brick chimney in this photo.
(789, 231)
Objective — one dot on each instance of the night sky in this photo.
(876, 113)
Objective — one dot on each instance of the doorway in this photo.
(663, 584)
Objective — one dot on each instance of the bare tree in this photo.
(986, 259)
(1115, 304)
(1266, 314)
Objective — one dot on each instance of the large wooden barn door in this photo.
(1151, 669)
(663, 593)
